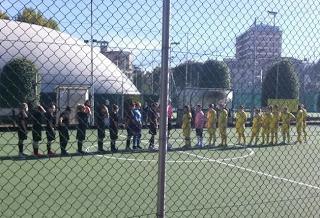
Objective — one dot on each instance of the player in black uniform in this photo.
(22, 127)
(114, 122)
(63, 127)
(50, 127)
(102, 123)
(82, 117)
(129, 125)
(36, 118)
(153, 124)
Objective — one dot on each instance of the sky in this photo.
(202, 29)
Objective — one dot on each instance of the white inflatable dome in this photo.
(61, 59)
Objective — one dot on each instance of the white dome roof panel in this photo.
(61, 59)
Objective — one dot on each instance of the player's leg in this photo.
(299, 132)
(305, 132)
(210, 136)
(257, 137)
(288, 134)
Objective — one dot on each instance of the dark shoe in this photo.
(139, 147)
(81, 152)
(114, 150)
(101, 150)
(64, 153)
(134, 147)
(128, 149)
(50, 153)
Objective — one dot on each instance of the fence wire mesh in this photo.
(79, 108)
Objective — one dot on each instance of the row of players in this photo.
(104, 120)
(266, 122)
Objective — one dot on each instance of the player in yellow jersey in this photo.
(186, 126)
(222, 124)
(299, 123)
(256, 126)
(241, 118)
(304, 126)
(267, 117)
(212, 124)
(274, 124)
(286, 118)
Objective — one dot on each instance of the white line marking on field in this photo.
(173, 161)
(256, 172)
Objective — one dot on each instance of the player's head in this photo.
(299, 107)
(103, 109)
(115, 108)
(24, 107)
(68, 109)
(198, 108)
(270, 108)
(257, 110)
(87, 103)
(285, 109)
(80, 107)
(186, 108)
(211, 106)
(241, 108)
(40, 108)
(137, 105)
(52, 108)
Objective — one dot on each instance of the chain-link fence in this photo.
(80, 98)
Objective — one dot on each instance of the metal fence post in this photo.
(163, 110)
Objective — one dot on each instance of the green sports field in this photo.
(237, 181)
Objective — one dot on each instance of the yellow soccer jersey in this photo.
(223, 118)
(241, 118)
(300, 117)
(211, 119)
(286, 118)
(267, 119)
(257, 121)
(186, 120)
(275, 119)
(305, 114)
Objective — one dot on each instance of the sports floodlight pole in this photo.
(92, 79)
(274, 14)
(164, 78)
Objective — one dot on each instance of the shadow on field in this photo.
(123, 151)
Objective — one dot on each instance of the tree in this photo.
(4, 16)
(287, 87)
(18, 82)
(211, 74)
(216, 74)
(30, 15)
